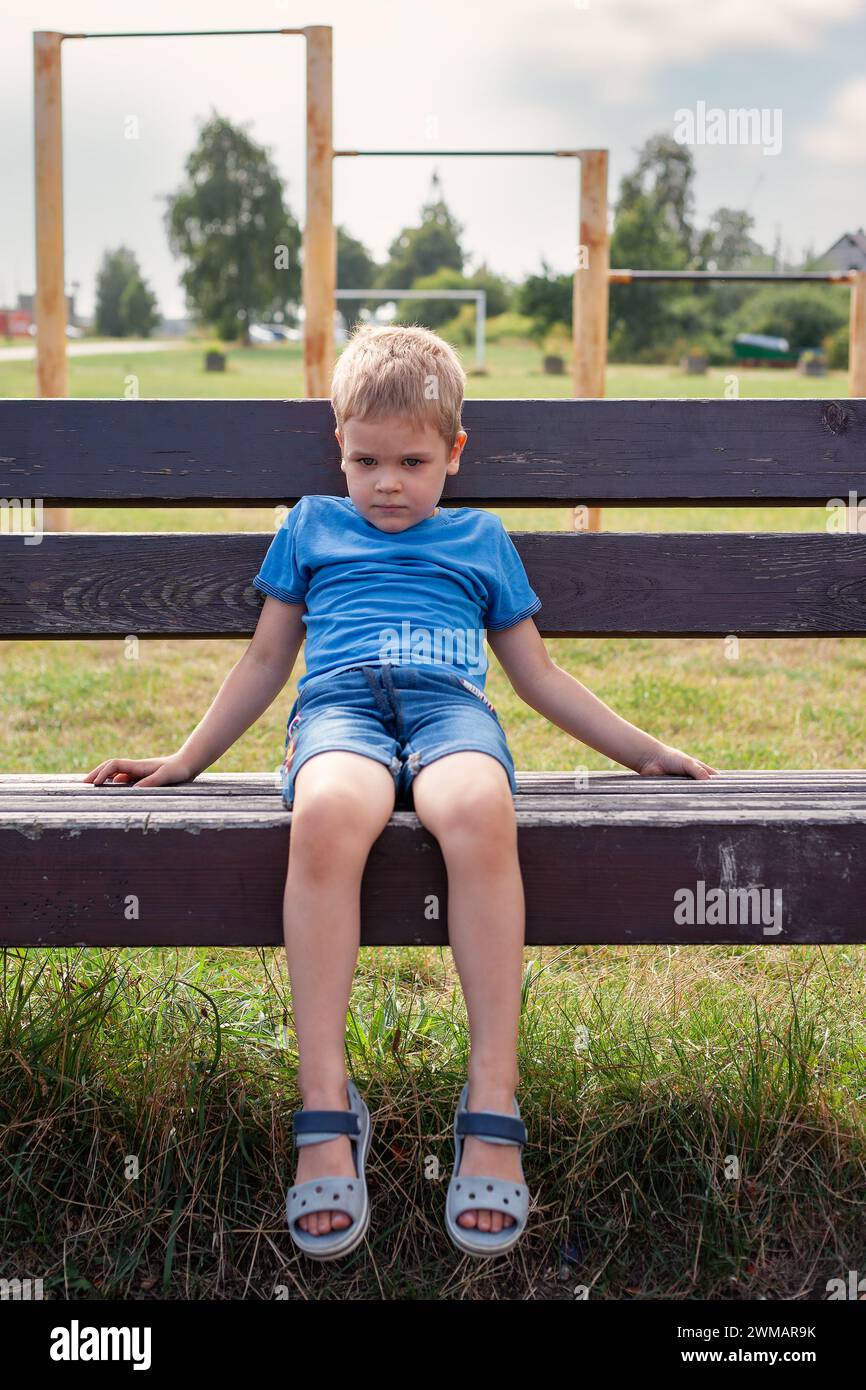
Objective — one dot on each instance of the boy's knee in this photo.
(483, 816)
(342, 807)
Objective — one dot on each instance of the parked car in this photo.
(72, 331)
(263, 333)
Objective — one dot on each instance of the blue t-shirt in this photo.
(422, 596)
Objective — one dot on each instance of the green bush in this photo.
(459, 330)
(714, 348)
(804, 314)
(509, 325)
(837, 346)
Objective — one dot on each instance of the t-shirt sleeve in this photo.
(283, 574)
(511, 597)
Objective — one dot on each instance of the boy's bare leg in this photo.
(343, 802)
(465, 800)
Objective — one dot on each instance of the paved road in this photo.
(79, 349)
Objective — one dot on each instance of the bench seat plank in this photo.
(622, 846)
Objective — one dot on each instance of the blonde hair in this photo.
(400, 370)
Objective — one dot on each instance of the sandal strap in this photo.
(325, 1194)
(496, 1129)
(317, 1126)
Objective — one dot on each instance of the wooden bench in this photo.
(601, 862)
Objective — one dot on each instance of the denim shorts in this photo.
(403, 716)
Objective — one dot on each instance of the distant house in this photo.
(14, 323)
(27, 305)
(848, 253)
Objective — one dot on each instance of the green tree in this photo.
(433, 313)
(356, 270)
(124, 304)
(643, 317)
(423, 250)
(727, 243)
(139, 309)
(663, 179)
(230, 224)
(500, 291)
(654, 230)
(546, 299)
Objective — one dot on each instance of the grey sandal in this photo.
(493, 1194)
(332, 1194)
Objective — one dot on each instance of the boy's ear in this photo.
(459, 444)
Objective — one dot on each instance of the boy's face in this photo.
(395, 471)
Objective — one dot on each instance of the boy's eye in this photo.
(406, 460)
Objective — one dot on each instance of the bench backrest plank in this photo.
(590, 584)
(521, 453)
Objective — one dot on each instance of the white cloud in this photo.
(841, 138)
(624, 44)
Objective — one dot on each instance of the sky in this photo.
(490, 74)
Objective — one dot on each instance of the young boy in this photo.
(393, 594)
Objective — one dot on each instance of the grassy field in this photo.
(513, 369)
(186, 1059)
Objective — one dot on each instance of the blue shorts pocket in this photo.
(290, 744)
(477, 692)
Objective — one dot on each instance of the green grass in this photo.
(182, 1064)
(513, 369)
(185, 1061)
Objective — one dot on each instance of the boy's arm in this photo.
(247, 691)
(562, 699)
(251, 686)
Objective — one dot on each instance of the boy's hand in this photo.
(142, 772)
(670, 761)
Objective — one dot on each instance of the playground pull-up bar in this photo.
(179, 33)
(511, 154)
(590, 283)
(855, 278)
(319, 269)
(841, 277)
